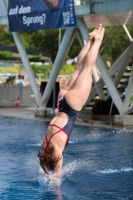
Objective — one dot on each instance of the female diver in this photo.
(70, 101)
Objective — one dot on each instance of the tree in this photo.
(5, 55)
(6, 38)
(47, 41)
(119, 43)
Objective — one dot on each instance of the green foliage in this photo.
(75, 48)
(35, 57)
(44, 40)
(46, 70)
(67, 58)
(6, 38)
(16, 69)
(118, 44)
(5, 55)
(47, 41)
(36, 69)
(67, 69)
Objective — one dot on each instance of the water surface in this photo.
(98, 163)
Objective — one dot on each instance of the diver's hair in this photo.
(47, 161)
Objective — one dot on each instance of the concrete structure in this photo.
(89, 13)
(9, 94)
(123, 120)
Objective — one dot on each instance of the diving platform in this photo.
(115, 13)
(107, 12)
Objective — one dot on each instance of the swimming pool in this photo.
(98, 163)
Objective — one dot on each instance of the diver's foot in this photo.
(100, 34)
(95, 31)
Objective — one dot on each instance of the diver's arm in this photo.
(58, 168)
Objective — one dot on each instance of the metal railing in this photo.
(42, 77)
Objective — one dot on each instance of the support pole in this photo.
(59, 39)
(115, 67)
(80, 38)
(124, 64)
(111, 72)
(129, 110)
(84, 32)
(110, 39)
(127, 32)
(109, 35)
(63, 50)
(120, 65)
(27, 66)
(129, 91)
(110, 85)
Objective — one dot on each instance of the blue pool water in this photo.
(98, 163)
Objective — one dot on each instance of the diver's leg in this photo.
(80, 62)
(77, 96)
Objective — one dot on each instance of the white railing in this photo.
(42, 77)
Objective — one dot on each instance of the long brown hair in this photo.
(47, 161)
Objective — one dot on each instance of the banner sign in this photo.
(26, 15)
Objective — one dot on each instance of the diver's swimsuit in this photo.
(72, 115)
(47, 141)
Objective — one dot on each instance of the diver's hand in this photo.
(56, 175)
